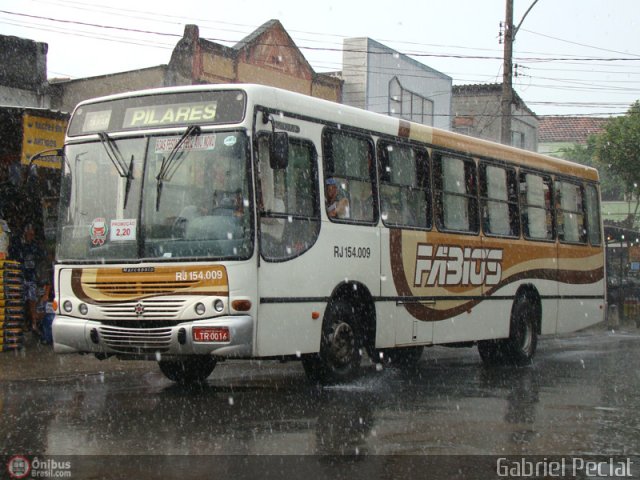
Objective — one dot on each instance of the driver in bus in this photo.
(336, 200)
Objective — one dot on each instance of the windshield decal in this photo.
(200, 142)
(98, 231)
(123, 230)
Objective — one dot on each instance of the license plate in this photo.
(211, 334)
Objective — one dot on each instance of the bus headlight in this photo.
(199, 308)
(218, 305)
(83, 309)
(67, 306)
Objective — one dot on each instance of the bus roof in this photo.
(331, 112)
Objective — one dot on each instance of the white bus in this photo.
(210, 222)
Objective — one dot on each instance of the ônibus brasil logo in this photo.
(18, 466)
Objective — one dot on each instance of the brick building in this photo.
(267, 56)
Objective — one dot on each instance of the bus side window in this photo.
(593, 214)
(288, 201)
(404, 186)
(570, 210)
(455, 190)
(349, 160)
(498, 193)
(536, 207)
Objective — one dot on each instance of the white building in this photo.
(380, 79)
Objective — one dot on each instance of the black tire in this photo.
(523, 336)
(519, 348)
(340, 347)
(492, 352)
(401, 357)
(188, 371)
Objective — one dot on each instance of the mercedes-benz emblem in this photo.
(139, 309)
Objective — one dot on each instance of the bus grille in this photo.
(136, 341)
(137, 289)
(143, 310)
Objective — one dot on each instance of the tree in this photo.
(618, 150)
(611, 186)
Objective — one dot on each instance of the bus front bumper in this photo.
(230, 336)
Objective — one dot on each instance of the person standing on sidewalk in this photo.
(30, 255)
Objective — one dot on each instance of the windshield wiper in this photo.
(128, 184)
(167, 168)
(113, 152)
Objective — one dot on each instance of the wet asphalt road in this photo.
(581, 397)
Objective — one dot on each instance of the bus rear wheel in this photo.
(189, 370)
(519, 348)
(340, 347)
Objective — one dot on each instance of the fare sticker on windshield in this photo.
(200, 142)
(123, 230)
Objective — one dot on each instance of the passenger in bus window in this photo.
(336, 200)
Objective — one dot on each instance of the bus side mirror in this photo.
(50, 158)
(53, 158)
(279, 151)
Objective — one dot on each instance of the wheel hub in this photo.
(342, 343)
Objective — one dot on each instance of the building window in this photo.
(517, 139)
(406, 104)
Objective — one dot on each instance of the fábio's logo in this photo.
(453, 265)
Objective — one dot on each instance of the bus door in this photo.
(287, 205)
(405, 312)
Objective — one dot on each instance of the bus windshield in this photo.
(162, 197)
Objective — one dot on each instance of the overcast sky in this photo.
(578, 57)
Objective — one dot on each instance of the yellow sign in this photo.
(39, 134)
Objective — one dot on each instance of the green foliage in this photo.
(611, 186)
(618, 149)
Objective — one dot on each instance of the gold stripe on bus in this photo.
(476, 147)
(128, 284)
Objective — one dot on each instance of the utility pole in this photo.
(507, 79)
(507, 75)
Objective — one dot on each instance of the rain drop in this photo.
(230, 400)
(229, 236)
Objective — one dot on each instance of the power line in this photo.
(329, 49)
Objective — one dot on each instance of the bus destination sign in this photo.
(160, 115)
(161, 110)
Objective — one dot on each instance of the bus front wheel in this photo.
(189, 370)
(340, 347)
(519, 348)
